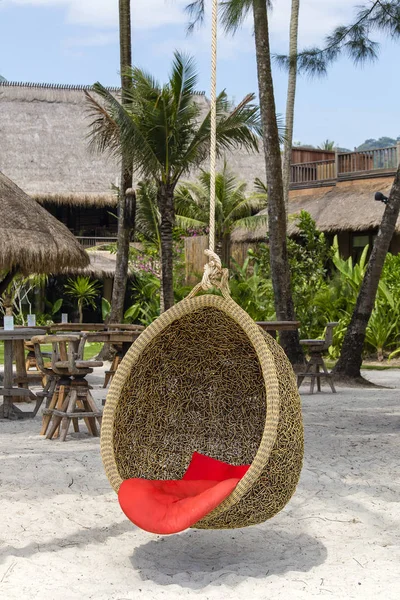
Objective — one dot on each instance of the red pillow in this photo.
(210, 469)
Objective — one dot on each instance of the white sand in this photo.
(63, 536)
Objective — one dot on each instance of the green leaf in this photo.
(132, 312)
(105, 308)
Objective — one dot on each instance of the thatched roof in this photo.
(346, 206)
(102, 264)
(44, 147)
(32, 239)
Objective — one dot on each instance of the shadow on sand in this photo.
(196, 559)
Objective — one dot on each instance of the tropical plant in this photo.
(162, 131)
(233, 207)
(83, 291)
(382, 330)
(252, 291)
(19, 293)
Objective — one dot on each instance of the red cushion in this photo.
(205, 467)
(171, 506)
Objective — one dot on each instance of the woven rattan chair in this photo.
(204, 378)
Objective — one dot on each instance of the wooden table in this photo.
(274, 326)
(16, 337)
(78, 327)
(125, 338)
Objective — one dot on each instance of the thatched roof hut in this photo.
(346, 206)
(44, 146)
(30, 238)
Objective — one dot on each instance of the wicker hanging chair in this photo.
(205, 378)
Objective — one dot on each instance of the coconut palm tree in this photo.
(126, 204)
(162, 131)
(233, 207)
(290, 100)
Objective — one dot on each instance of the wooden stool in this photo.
(71, 399)
(114, 366)
(315, 349)
(78, 403)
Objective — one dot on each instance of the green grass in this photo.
(330, 364)
(91, 350)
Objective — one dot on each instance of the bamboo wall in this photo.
(195, 259)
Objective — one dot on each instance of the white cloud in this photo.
(97, 39)
(317, 18)
(146, 14)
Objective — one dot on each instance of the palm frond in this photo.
(147, 212)
(233, 13)
(186, 223)
(252, 222)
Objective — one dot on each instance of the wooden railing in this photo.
(90, 242)
(319, 170)
(346, 164)
(368, 160)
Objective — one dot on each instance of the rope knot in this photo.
(214, 275)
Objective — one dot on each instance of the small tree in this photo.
(83, 291)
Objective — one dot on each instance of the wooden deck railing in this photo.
(346, 164)
(368, 160)
(319, 170)
(90, 242)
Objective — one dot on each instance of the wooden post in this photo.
(19, 353)
(336, 173)
(8, 377)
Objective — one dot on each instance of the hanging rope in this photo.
(214, 275)
(213, 140)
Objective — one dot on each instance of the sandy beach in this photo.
(63, 535)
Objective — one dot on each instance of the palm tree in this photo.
(126, 203)
(162, 131)
(83, 291)
(290, 100)
(327, 145)
(233, 207)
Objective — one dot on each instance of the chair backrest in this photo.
(329, 335)
(65, 348)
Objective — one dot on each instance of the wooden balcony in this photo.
(345, 166)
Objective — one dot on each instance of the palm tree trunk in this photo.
(80, 310)
(291, 95)
(126, 205)
(225, 252)
(349, 363)
(280, 271)
(165, 198)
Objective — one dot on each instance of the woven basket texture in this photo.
(205, 378)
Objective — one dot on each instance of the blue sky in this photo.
(76, 41)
